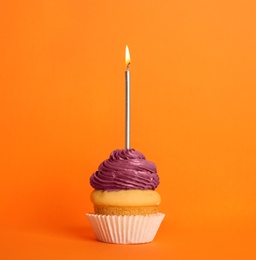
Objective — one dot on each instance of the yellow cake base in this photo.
(125, 202)
(125, 211)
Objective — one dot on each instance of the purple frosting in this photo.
(125, 169)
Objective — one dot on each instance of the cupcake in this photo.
(125, 200)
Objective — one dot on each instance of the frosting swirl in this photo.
(126, 169)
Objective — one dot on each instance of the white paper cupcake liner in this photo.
(125, 229)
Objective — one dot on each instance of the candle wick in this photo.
(128, 65)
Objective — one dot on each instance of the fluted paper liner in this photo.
(125, 229)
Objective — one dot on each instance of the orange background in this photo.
(193, 113)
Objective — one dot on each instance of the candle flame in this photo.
(127, 57)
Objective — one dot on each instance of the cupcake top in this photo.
(126, 169)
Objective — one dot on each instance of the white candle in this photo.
(127, 99)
